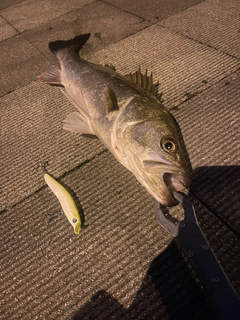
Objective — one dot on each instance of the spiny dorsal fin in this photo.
(110, 99)
(145, 81)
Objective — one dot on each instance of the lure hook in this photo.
(42, 165)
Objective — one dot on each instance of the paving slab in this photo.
(216, 23)
(20, 63)
(182, 66)
(29, 14)
(156, 10)
(119, 265)
(122, 265)
(113, 25)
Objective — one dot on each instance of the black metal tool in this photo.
(222, 297)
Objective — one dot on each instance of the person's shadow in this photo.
(171, 289)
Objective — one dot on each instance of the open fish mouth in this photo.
(176, 181)
(165, 179)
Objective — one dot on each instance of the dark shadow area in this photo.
(218, 189)
(215, 195)
(171, 289)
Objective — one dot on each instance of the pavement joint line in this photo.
(197, 41)
(194, 94)
(5, 94)
(87, 4)
(129, 12)
(119, 268)
(22, 34)
(158, 24)
(18, 32)
(62, 176)
(14, 36)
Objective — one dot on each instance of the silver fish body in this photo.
(124, 114)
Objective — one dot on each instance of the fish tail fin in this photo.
(74, 44)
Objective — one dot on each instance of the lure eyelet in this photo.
(74, 220)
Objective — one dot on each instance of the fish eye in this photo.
(169, 145)
(74, 220)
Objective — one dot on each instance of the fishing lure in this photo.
(66, 201)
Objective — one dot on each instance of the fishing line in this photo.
(234, 230)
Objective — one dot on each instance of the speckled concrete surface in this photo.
(123, 265)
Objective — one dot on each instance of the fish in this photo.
(67, 203)
(126, 114)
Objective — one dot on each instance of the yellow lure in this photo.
(66, 201)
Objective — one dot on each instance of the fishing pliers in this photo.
(224, 300)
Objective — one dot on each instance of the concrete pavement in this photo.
(122, 265)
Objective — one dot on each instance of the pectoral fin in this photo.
(110, 99)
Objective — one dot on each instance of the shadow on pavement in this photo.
(168, 291)
(170, 288)
(218, 189)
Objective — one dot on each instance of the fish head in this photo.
(155, 157)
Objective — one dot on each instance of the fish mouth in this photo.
(165, 178)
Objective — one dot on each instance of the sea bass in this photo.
(125, 114)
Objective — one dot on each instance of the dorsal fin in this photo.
(110, 99)
(74, 44)
(145, 81)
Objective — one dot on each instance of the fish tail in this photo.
(74, 44)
